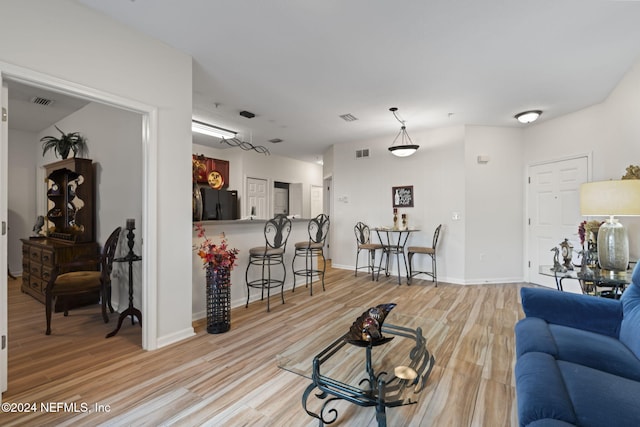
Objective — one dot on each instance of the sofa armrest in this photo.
(599, 315)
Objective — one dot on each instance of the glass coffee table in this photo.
(389, 373)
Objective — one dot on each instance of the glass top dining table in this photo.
(394, 241)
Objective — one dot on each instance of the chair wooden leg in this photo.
(48, 304)
(410, 268)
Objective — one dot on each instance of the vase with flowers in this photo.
(218, 260)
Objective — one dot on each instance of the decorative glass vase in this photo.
(218, 300)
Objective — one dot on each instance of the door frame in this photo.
(4, 195)
(149, 140)
(527, 233)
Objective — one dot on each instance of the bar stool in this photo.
(318, 229)
(425, 251)
(363, 240)
(276, 233)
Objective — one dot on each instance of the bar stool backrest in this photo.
(436, 235)
(363, 234)
(276, 231)
(319, 228)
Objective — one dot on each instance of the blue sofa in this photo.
(578, 358)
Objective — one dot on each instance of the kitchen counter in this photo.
(241, 234)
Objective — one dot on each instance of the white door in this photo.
(554, 212)
(4, 319)
(316, 201)
(280, 201)
(256, 205)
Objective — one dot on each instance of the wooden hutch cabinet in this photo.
(70, 199)
(69, 225)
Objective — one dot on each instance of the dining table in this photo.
(393, 241)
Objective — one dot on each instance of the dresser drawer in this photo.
(36, 284)
(45, 273)
(35, 269)
(35, 254)
(48, 258)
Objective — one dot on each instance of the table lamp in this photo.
(611, 198)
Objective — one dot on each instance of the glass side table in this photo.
(616, 281)
(390, 373)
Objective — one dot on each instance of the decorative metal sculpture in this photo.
(567, 251)
(247, 146)
(37, 227)
(557, 267)
(367, 329)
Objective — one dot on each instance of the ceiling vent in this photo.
(362, 153)
(275, 140)
(45, 102)
(247, 114)
(348, 117)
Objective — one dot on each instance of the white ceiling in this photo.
(300, 64)
(27, 115)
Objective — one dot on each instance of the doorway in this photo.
(256, 204)
(148, 145)
(280, 198)
(553, 210)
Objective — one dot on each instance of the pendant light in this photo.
(406, 147)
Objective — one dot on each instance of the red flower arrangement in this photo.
(216, 256)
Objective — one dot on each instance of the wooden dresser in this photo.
(39, 256)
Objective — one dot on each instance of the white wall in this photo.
(22, 196)
(494, 205)
(610, 131)
(362, 192)
(102, 55)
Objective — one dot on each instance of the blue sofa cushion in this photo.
(599, 398)
(600, 315)
(577, 346)
(548, 422)
(541, 390)
(630, 326)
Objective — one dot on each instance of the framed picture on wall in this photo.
(402, 196)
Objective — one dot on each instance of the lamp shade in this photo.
(610, 198)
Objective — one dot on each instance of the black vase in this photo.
(218, 300)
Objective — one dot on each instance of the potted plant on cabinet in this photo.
(64, 144)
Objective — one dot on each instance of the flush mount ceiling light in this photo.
(211, 130)
(226, 136)
(406, 146)
(528, 116)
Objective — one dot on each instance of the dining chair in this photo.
(363, 242)
(276, 234)
(318, 229)
(79, 277)
(430, 251)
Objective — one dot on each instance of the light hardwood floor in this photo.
(232, 379)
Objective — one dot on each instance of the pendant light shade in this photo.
(406, 147)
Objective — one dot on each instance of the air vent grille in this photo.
(45, 102)
(348, 117)
(362, 153)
